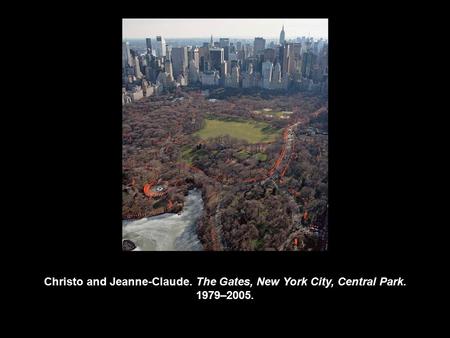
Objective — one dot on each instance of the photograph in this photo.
(224, 134)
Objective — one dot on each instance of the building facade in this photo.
(179, 61)
(160, 47)
(258, 46)
(217, 57)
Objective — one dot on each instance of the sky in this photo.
(227, 28)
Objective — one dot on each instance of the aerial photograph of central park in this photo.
(225, 135)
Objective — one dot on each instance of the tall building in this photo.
(193, 54)
(148, 42)
(267, 74)
(210, 78)
(259, 45)
(207, 66)
(269, 54)
(224, 42)
(201, 65)
(126, 54)
(235, 76)
(160, 46)
(223, 69)
(203, 52)
(168, 52)
(279, 55)
(277, 73)
(154, 67)
(179, 61)
(226, 52)
(193, 72)
(169, 70)
(307, 64)
(216, 56)
(137, 68)
(233, 63)
(248, 50)
(282, 40)
(297, 49)
(195, 57)
(233, 57)
(288, 59)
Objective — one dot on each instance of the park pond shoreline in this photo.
(168, 231)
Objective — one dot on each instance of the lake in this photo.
(167, 232)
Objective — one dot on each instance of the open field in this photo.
(252, 132)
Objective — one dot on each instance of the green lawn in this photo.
(242, 155)
(250, 131)
(186, 154)
(261, 156)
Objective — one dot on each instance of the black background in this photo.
(74, 161)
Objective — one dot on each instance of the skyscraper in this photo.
(289, 59)
(288, 54)
(160, 46)
(126, 54)
(137, 68)
(226, 52)
(279, 55)
(235, 76)
(148, 42)
(277, 73)
(203, 52)
(217, 57)
(204, 64)
(269, 54)
(224, 42)
(282, 40)
(308, 61)
(297, 49)
(195, 56)
(259, 45)
(193, 72)
(168, 69)
(267, 73)
(223, 69)
(179, 61)
(168, 52)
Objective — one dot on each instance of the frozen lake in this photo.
(167, 232)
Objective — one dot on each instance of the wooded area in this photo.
(245, 209)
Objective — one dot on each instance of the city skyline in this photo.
(231, 28)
